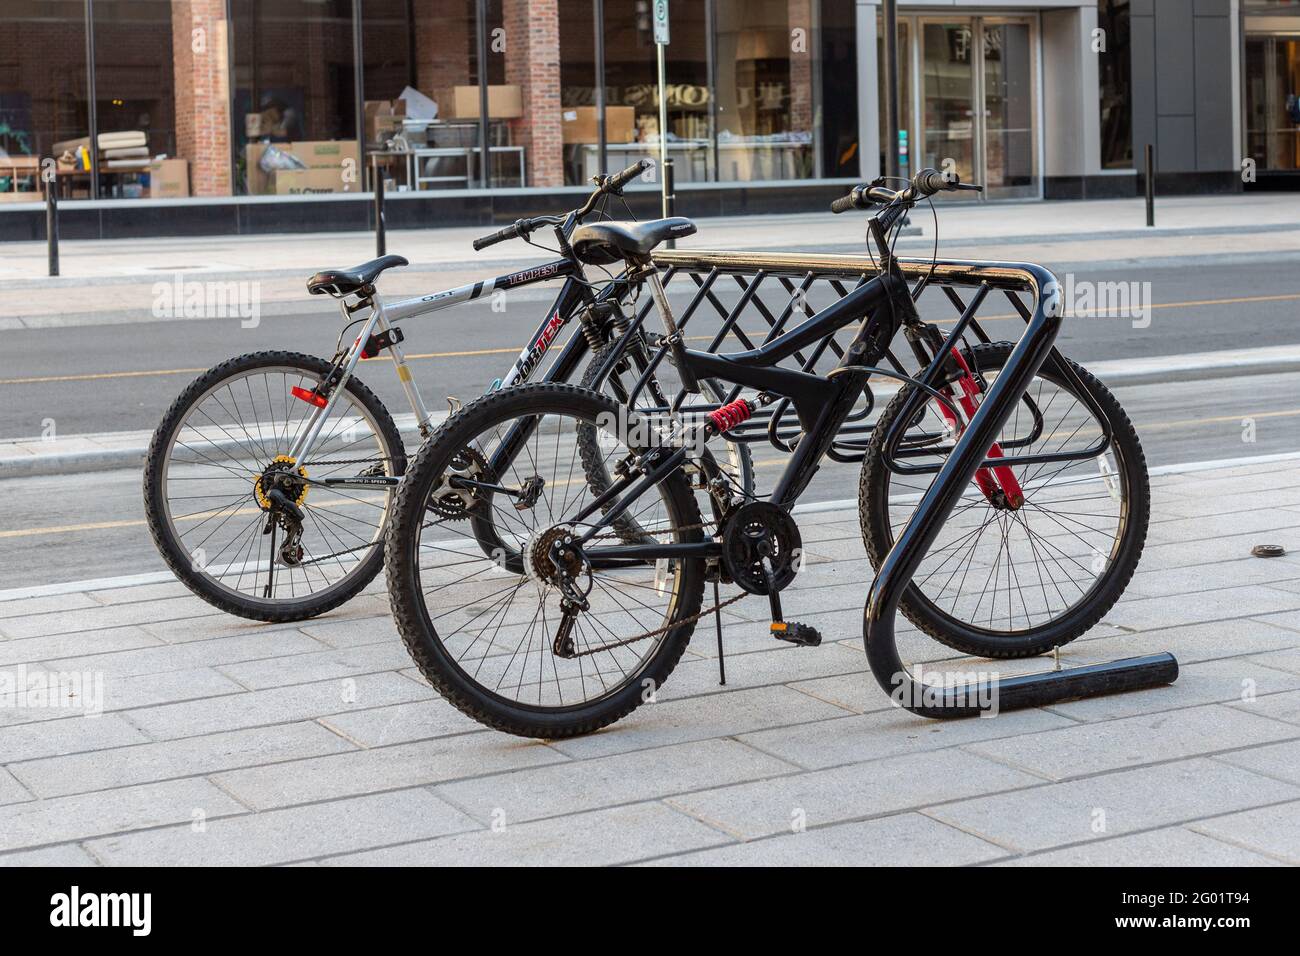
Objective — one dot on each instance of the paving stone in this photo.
(1208, 682)
(608, 781)
(1085, 749)
(280, 705)
(767, 807)
(1191, 643)
(259, 839)
(78, 620)
(698, 718)
(1280, 761)
(598, 838)
(22, 607)
(1220, 604)
(402, 723)
(888, 733)
(11, 791)
(189, 756)
(163, 657)
(73, 735)
(1272, 831)
(95, 814)
(383, 768)
(371, 630)
(910, 837)
(32, 650)
(1115, 803)
(124, 693)
(1171, 846)
(319, 665)
(65, 854)
(777, 664)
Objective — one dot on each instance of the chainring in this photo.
(756, 531)
(454, 503)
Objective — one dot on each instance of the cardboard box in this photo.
(315, 154)
(579, 125)
(306, 182)
(383, 119)
(504, 102)
(169, 179)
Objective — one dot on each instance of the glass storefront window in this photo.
(134, 101)
(294, 118)
(766, 116)
(1273, 101)
(1115, 64)
(43, 97)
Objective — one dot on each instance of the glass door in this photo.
(1008, 96)
(948, 133)
(977, 102)
(1273, 101)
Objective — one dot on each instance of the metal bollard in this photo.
(670, 196)
(1151, 184)
(381, 243)
(52, 223)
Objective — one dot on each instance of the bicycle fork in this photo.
(1003, 480)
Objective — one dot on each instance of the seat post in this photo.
(676, 346)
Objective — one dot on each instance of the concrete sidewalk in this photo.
(223, 741)
(113, 280)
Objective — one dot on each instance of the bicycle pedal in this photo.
(805, 635)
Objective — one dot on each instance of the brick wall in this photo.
(202, 94)
(533, 63)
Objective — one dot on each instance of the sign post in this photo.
(661, 43)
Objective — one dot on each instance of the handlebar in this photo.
(605, 186)
(512, 231)
(925, 183)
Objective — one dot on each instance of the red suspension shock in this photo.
(730, 415)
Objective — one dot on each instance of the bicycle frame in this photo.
(572, 297)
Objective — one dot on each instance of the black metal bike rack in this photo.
(1036, 344)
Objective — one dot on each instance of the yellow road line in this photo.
(94, 376)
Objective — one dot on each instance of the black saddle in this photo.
(346, 281)
(600, 243)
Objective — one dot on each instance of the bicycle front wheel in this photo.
(1014, 580)
(224, 443)
(546, 638)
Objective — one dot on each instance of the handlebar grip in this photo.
(616, 182)
(845, 203)
(931, 181)
(511, 231)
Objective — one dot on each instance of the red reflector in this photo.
(310, 397)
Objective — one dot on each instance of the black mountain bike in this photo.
(269, 481)
(589, 610)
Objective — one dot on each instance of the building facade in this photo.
(472, 108)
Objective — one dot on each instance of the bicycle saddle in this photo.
(600, 243)
(346, 281)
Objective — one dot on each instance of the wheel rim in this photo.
(230, 435)
(497, 624)
(1010, 572)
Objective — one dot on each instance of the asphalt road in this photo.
(123, 377)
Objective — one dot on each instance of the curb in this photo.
(132, 456)
(1228, 364)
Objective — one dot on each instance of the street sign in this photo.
(661, 22)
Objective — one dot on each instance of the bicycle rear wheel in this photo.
(547, 640)
(1018, 581)
(220, 447)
